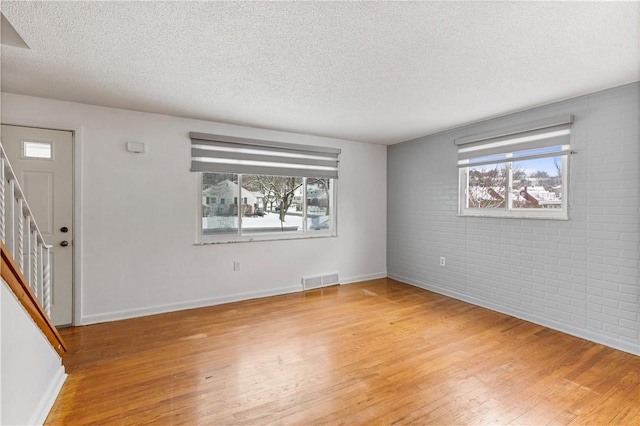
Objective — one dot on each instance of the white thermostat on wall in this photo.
(137, 147)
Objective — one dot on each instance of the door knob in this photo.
(64, 229)
(64, 243)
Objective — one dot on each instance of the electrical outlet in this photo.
(443, 261)
(236, 266)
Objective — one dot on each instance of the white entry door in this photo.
(42, 160)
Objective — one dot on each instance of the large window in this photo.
(259, 190)
(517, 173)
(272, 207)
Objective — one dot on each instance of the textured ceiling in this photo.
(366, 71)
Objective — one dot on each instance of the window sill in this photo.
(263, 238)
(516, 215)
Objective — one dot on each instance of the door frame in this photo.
(77, 131)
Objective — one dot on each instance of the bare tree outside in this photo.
(537, 189)
(557, 163)
(276, 190)
(487, 186)
(267, 186)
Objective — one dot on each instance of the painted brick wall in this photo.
(579, 276)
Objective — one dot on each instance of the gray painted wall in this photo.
(579, 276)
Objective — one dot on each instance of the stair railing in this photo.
(21, 236)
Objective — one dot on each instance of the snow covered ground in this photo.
(270, 221)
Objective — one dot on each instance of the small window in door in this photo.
(41, 150)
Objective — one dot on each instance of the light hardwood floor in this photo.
(378, 352)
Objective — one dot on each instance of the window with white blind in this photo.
(273, 190)
(518, 172)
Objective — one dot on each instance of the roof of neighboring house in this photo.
(317, 193)
(540, 194)
(228, 188)
(488, 193)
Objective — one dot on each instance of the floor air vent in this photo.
(318, 281)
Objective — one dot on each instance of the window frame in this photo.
(509, 211)
(25, 156)
(239, 237)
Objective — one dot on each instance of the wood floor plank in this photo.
(378, 352)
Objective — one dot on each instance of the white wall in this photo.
(579, 276)
(31, 370)
(137, 213)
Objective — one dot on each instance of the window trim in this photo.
(25, 156)
(201, 239)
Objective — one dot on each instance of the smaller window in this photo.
(520, 173)
(235, 200)
(221, 200)
(42, 150)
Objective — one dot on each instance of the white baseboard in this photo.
(48, 398)
(546, 322)
(201, 303)
(359, 278)
(172, 307)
